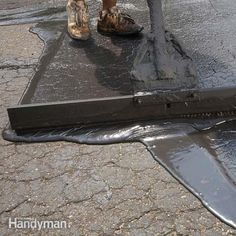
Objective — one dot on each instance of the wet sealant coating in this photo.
(207, 31)
(200, 154)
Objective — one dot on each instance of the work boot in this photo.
(78, 19)
(112, 21)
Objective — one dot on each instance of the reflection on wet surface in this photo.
(205, 163)
(200, 154)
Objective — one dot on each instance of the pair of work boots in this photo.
(111, 21)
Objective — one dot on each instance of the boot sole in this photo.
(77, 38)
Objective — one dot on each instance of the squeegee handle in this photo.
(158, 32)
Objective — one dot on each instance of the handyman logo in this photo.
(34, 224)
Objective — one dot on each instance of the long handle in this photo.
(162, 60)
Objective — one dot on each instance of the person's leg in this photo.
(112, 21)
(78, 19)
(106, 4)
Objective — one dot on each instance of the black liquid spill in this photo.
(205, 163)
(200, 154)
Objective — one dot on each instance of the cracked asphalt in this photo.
(100, 190)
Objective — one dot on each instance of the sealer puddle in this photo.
(200, 156)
